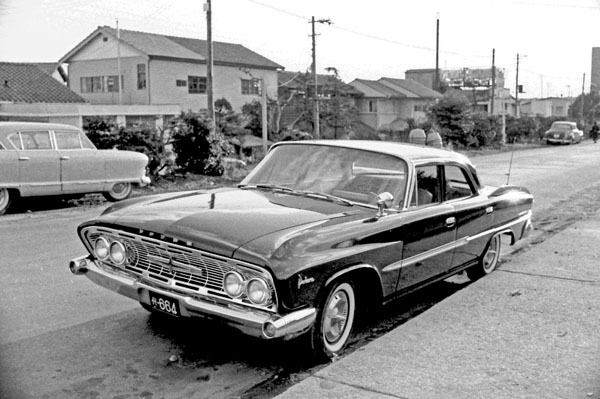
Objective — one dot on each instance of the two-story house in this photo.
(122, 67)
(387, 103)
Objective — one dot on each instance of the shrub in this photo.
(198, 150)
(148, 140)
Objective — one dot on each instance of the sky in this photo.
(365, 39)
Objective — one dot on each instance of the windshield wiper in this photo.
(313, 194)
(267, 187)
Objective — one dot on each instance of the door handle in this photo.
(450, 222)
(489, 210)
(23, 158)
(65, 158)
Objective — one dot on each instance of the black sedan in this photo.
(318, 229)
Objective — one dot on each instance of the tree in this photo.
(451, 114)
(591, 107)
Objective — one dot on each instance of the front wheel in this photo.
(331, 332)
(5, 200)
(118, 192)
(489, 259)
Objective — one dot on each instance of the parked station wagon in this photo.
(38, 159)
(318, 230)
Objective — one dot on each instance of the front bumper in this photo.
(249, 321)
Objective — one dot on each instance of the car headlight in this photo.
(233, 284)
(258, 291)
(101, 248)
(118, 254)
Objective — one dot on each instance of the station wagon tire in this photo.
(118, 192)
(331, 332)
(489, 259)
(5, 200)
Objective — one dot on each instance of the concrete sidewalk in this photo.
(529, 330)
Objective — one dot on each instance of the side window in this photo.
(67, 140)
(457, 183)
(427, 186)
(15, 140)
(39, 140)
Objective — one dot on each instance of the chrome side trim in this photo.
(526, 216)
(353, 268)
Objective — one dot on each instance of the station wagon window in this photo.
(457, 183)
(67, 140)
(36, 140)
(427, 186)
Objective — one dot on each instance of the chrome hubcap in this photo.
(336, 316)
(491, 256)
(3, 198)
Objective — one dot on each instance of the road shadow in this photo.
(49, 203)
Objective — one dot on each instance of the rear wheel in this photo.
(5, 200)
(118, 192)
(331, 332)
(489, 259)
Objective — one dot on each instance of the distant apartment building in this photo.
(476, 83)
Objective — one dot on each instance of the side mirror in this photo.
(384, 201)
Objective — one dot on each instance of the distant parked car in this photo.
(563, 132)
(317, 232)
(39, 159)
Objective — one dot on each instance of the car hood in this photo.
(221, 221)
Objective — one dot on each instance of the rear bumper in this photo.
(249, 321)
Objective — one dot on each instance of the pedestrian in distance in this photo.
(594, 132)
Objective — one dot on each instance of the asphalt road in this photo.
(62, 336)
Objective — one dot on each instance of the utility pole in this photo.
(493, 81)
(582, 102)
(119, 65)
(436, 82)
(263, 89)
(209, 64)
(314, 72)
(517, 90)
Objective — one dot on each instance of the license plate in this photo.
(164, 304)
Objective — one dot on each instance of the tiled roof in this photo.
(27, 83)
(410, 85)
(295, 80)
(380, 89)
(162, 46)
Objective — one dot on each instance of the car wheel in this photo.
(489, 259)
(5, 200)
(331, 332)
(118, 192)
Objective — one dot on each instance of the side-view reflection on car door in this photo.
(82, 170)
(429, 230)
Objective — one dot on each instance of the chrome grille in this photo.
(177, 267)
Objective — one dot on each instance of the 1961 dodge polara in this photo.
(317, 230)
(39, 159)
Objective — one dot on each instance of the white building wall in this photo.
(227, 83)
(109, 67)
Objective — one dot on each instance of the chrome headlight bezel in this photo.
(117, 253)
(260, 286)
(101, 244)
(234, 278)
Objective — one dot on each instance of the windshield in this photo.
(351, 174)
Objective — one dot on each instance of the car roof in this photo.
(17, 126)
(411, 152)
